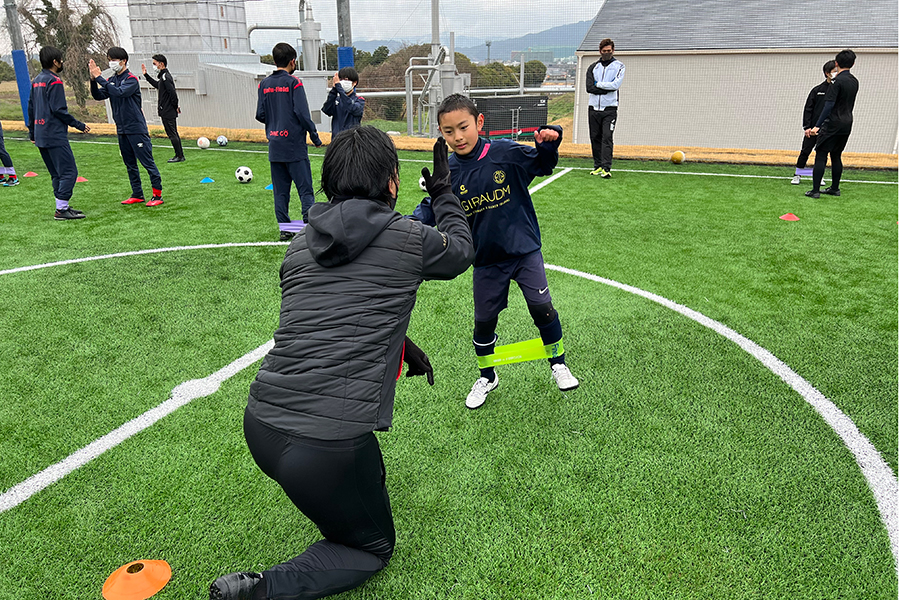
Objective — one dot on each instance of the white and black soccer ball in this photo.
(203, 142)
(243, 174)
(422, 183)
(222, 140)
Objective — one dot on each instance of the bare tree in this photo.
(81, 32)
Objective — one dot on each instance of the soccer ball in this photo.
(422, 183)
(222, 140)
(678, 157)
(243, 174)
(203, 142)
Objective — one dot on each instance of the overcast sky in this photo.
(409, 20)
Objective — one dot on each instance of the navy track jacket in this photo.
(492, 184)
(124, 93)
(345, 110)
(281, 105)
(48, 115)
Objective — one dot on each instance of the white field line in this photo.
(548, 181)
(878, 474)
(567, 168)
(181, 395)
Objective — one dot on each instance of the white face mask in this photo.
(347, 85)
(833, 75)
(155, 69)
(115, 65)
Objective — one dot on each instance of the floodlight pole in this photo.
(345, 39)
(20, 62)
(488, 44)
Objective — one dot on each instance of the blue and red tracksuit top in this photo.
(345, 110)
(48, 115)
(281, 105)
(124, 93)
(492, 185)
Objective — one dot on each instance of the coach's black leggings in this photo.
(339, 486)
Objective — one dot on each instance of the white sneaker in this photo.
(565, 381)
(822, 183)
(480, 391)
(795, 180)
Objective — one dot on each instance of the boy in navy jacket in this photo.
(48, 127)
(282, 106)
(124, 93)
(343, 105)
(491, 179)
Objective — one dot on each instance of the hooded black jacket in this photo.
(348, 285)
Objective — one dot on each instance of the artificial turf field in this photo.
(681, 468)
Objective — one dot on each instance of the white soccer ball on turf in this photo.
(243, 174)
(222, 140)
(422, 183)
(203, 142)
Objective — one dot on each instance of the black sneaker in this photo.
(812, 194)
(67, 215)
(235, 586)
(175, 159)
(831, 191)
(286, 236)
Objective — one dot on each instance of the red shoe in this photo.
(157, 200)
(132, 201)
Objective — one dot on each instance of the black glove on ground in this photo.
(439, 183)
(417, 361)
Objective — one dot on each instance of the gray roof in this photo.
(744, 24)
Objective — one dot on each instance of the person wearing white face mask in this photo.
(343, 104)
(811, 111)
(167, 102)
(124, 93)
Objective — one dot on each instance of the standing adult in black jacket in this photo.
(167, 102)
(811, 111)
(349, 283)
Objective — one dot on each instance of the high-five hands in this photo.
(438, 183)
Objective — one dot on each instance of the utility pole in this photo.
(20, 63)
(488, 44)
(345, 38)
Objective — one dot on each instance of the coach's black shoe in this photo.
(235, 586)
(68, 215)
(175, 159)
(812, 194)
(831, 191)
(286, 236)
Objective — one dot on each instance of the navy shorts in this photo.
(490, 285)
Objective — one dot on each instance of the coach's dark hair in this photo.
(160, 58)
(828, 67)
(117, 53)
(606, 42)
(283, 54)
(457, 102)
(360, 163)
(349, 73)
(845, 58)
(48, 54)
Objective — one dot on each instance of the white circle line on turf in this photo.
(881, 479)
(415, 160)
(879, 476)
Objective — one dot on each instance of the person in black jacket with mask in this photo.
(167, 103)
(815, 101)
(349, 282)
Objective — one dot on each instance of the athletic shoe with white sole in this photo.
(480, 391)
(795, 180)
(565, 381)
(235, 586)
(67, 214)
(597, 171)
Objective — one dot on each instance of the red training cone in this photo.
(30, 174)
(80, 179)
(789, 217)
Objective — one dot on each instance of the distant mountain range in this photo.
(561, 41)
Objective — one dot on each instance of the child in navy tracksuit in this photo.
(282, 107)
(343, 105)
(48, 127)
(124, 92)
(491, 179)
(8, 175)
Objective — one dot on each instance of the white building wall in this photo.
(740, 99)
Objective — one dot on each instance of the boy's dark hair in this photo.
(845, 58)
(360, 163)
(160, 58)
(48, 54)
(606, 42)
(283, 54)
(116, 53)
(828, 67)
(349, 73)
(457, 102)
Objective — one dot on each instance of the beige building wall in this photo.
(740, 99)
